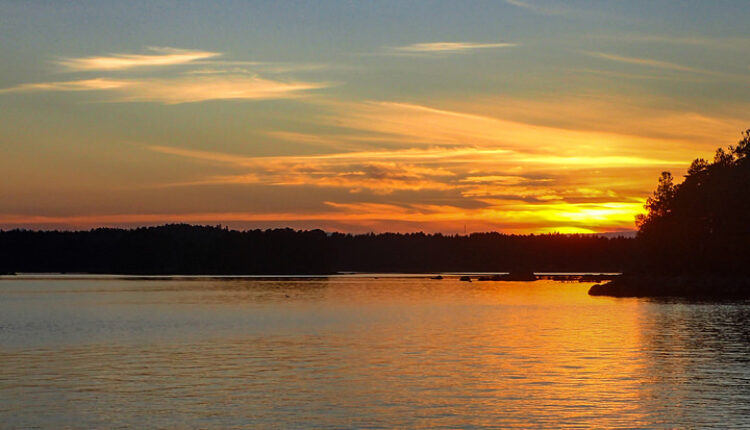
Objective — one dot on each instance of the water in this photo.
(360, 352)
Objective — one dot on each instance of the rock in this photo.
(465, 279)
(519, 277)
(438, 277)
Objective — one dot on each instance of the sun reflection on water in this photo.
(364, 352)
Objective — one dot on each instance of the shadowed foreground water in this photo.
(364, 352)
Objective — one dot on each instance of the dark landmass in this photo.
(514, 276)
(204, 250)
(580, 278)
(694, 286)
(695, 239)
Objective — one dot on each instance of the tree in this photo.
(658, 205)
(742, 150)
(700, 225)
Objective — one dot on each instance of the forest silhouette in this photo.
(703, 224)
(694, 240)
(215, 250)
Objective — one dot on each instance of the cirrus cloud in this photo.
(449, 47)
(185, 89)
(162, 57)
(440, 48)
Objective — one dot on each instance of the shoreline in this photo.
(687, 286)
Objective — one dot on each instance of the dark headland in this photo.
(694, 241)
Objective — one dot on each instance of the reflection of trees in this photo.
(237, 290)
(695, 358)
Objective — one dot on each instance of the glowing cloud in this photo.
(196, 89)
(164, 57)
(83, 85)
(184, 89)
(447, 47)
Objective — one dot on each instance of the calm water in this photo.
(364, 352)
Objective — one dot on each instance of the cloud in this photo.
(224, 66)
(535, 8)
(469, 171)
(196, 89)
(520, 217)
(381, 172)
(413, 124)
(447, 47)
(647, 62)
(495, 172)
(194, 85)
(163, 57)
(696, 40)
(82, 85)
(185, 89)
(467, 155)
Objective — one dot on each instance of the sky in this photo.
(519, 116)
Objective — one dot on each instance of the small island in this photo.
(694, 241)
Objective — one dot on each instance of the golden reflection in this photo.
(365, 352)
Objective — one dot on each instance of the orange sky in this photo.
(348, 120)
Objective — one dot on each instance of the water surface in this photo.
(377, 352)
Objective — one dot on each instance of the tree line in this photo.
(215, 250)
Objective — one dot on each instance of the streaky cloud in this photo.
(698, 40)
(447, 47)
(666, 65)
(185, 89)
(163, 56)
(535, 8)
(239, 66)
(203, 88)
(81, 85)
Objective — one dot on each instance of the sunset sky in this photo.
(519, 116)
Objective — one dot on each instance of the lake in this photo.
(364, 352)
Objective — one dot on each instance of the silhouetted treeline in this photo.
(481, 252)
(703, 224)
(186, 249)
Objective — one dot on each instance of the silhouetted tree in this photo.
(703, 224)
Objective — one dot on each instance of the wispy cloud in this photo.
(162, 57)
(479, 167)
(228, 66)
(183, 89)
(470, 171)
(226, 80)
(695, 40)
(647, 62)
(202, 88)
(535, 8)
(447, 47)
(82, 85)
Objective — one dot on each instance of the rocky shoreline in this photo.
(689, 286)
